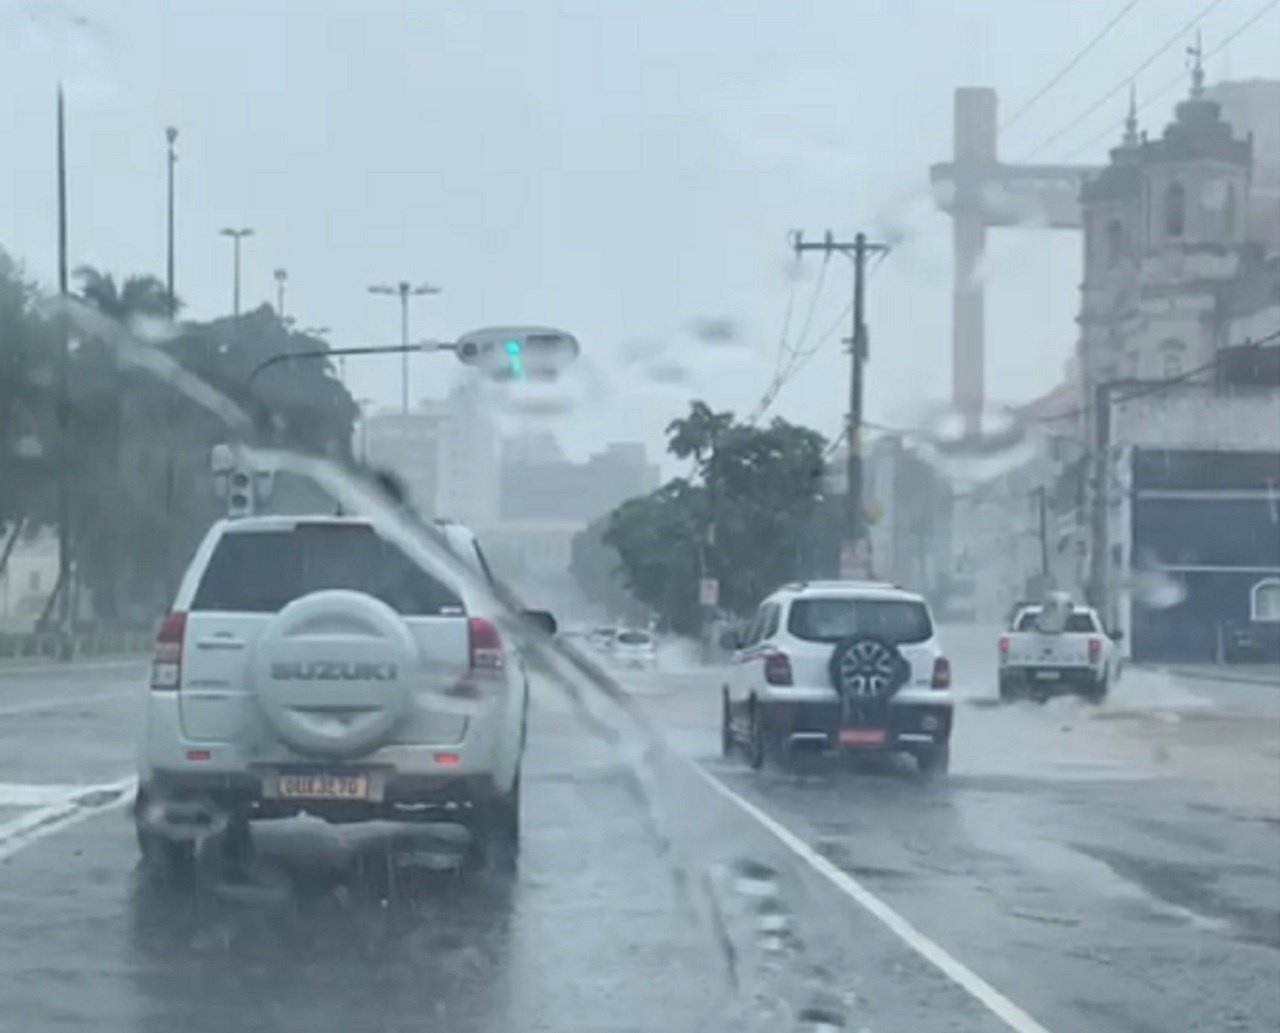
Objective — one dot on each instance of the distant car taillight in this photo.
(166, 667)
(777, 669)
(1004, 648)
(1095, 650)
(487, 656)
(942, 673)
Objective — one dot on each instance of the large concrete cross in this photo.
(978, 192)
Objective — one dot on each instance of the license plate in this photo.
(1048, 675)
(324, 785)
(863, 736)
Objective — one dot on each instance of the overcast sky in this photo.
(622, 169)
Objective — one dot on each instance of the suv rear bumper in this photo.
(407, 782)
(816, 723)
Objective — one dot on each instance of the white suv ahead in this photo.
(309, 665)
(839, 665)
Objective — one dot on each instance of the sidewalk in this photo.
(1248, 674)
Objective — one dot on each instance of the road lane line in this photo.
(71, 666)
(964, 977)
(57, 702)
(33, 826)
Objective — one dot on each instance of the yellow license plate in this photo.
(324, 785)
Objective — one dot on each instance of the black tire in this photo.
(1098, 691)
(934, 761)
(1009, 690)
(495, 833)
(757, 741)
(726, 726)
(171, 859)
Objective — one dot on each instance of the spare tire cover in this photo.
(332, 672)
(867, 669)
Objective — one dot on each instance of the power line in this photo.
(1172, 83)
(1159, 52)
(1066, 69)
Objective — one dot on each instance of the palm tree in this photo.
(140, 295)
(696, 434)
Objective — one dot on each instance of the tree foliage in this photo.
(746, 518)
(136, 451)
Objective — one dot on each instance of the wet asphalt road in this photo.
(1094, 870)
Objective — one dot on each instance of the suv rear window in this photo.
(830, 620)
(1079, 621)
(263, 571)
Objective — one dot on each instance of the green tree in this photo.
(747, 518)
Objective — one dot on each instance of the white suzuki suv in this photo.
(309, 665)
(839, 666)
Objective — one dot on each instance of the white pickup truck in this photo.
(1042, 657)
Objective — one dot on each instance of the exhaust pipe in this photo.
(184, 820)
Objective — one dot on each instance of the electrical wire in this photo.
(1159, 52)
(1066, 69)
(1173, 82)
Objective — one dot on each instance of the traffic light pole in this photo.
(857, 250)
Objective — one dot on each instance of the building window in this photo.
(1175, 210)
(1229, 213)
(1115, 243)
(1264, 601)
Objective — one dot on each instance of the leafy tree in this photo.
(137, 450)
(747, 520)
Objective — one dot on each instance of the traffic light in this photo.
(515, 358)
(236, 480)
(518, 353)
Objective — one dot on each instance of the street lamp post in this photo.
(236, 236)
(281, 275)
(404, 290)
(171, 134)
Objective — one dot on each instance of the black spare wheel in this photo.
(866, 671)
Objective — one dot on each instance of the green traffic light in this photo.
(515, 359)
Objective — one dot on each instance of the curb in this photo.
(1235, 679)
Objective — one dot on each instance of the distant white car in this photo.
(310, 666)
(636, 649)
(1073, 654)
(601, 638)
(839, 666)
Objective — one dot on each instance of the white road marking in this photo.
(25, 794)
(964, 977)
(70, 666)
(87, 801)
(57, 702)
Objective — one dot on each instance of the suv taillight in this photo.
(941, 673)
(1004, 648)
(166, 667)
(487, 656)
(1095, 650)
(777, 669)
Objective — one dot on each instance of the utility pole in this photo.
(66, 611)
(1039, 494)
(171, 134)
(856, 250)
(404, 290)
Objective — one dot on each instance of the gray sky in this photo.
(618, 168)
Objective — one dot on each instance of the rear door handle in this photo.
(221, 642)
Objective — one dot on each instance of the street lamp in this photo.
(171, 134)
(236, 236)
(403, 290)
(281, 275)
